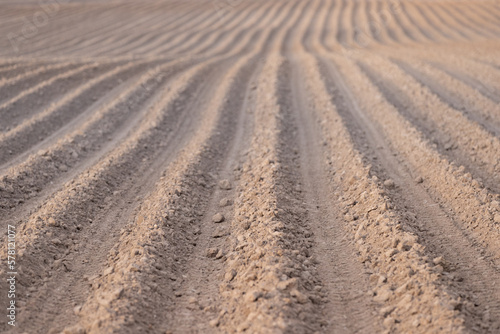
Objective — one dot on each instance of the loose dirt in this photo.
(251, 166)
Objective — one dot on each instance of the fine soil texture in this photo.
(237, 166)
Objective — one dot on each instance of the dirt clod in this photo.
(212, 252)
(389, 184)
(224, 202)
(225, 185)
(218, 218)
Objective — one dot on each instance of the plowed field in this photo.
(223, 166)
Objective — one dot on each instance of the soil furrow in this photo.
(457, 94)
(230, 40)
(11, 86)
(16, 102)
(456, 137)
(479, 307)
(68, 153)
(340, 34)
(308, 39)
(69, 214)
(386, 21)
(100, 36)
(416, 23)
(328, 28)
(399, 21)
(126, 45)
(155, 232)
(53, 38)
(185, 36)
(489, 12)
(252, 269)
(457, 18)
(430, 21)
(197, 295)
(398, 279)
(180, 20)
(445, 22)
(482, 86)
(165, 41)
(217, 29)
(139, 301)
(231, 35)
(60, 112)
(343, 281)
(13, 70)
(482, 18)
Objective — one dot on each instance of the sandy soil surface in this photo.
(226, 166)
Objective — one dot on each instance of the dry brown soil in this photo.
(226, 166)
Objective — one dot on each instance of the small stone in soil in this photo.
(252, 296)
(218, 218)
(219, 255)
(224, 202)
(220, 232)
(230, 275)
(389, 183)
(225, 185)
(382, 295)
(301, 298)
(212, 252)
(53, 222)
(77, 309)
